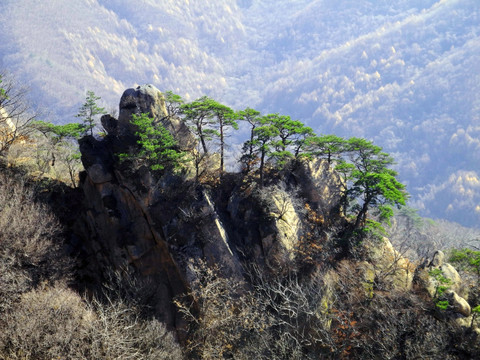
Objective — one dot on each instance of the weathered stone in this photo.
(217, 248)
(454, 285)
(390, 266)
(459, 304)
(448, 271)
(286, 220)
(148, 99)
(98, 174)
(438, 259)
(321, 186)
(109, 123)
(143, 99)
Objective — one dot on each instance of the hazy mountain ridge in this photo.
(405, 75)
(398, 94)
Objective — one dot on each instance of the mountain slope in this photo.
(405, 75)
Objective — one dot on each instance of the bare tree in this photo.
(222, 317)
(30, 249)
(16, 114)
(272, 318)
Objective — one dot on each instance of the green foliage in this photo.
(62, 144)
(209, 120)
(226, 119)
(173, 102)
(442, 304)
(263, 136)
(290, 137)
(200, 118)
(300, 141)
(466, 259)
(277, 136)
(59, 132)
(327, 146)
(3, 93)
(371, 181)
(250, 116)
(374, 228)
(253, 118)
(442, 285)
(158, 148)
(385, 213)
(412, 216)
(88, 112)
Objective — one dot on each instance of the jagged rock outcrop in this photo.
(321, 186)
(390, 266)
(456, 292)
(160, 226)
(148, 99)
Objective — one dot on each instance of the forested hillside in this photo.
(155, 251)
(403, 74)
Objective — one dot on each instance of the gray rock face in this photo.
(149, 100)
(143, 99)
(438, 259)
(320, 186)
(157, 228)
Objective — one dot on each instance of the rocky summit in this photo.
(159, 227)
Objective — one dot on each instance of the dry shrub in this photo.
(118, 333)
(30, 249)
(56, 323)
(13, 282)
(40, 317)
(221, 315)
(46, 324)
(276, 318)
(27, 229)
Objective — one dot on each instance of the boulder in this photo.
(143, 99)
(390, 266)
(109, 123)
(149, 100)
(437, 259)
(448, 271)
(459, 304)
(456, 281)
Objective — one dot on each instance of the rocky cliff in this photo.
(159, 226)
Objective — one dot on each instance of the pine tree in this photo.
(371, 180)
(158, 147)
(89, 111)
